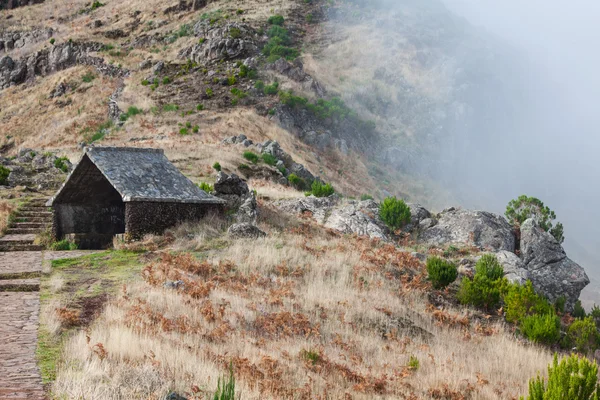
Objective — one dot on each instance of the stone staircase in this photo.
(30, 220)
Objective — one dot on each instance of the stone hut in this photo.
(122, 190)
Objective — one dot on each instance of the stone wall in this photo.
(155, 217)
(10, 4)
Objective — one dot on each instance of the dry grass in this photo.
(303, 314)
(6, 208)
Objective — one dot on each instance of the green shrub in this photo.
(235, 33)
(522, 301)
(208, 188)
(297, 182)
(280, 33)
(63, 245)
(441, 272)
(574, 378)
(96, 5)
(543, 329)
(595, 312)
(276, 20)
(260, 85)
(559, 304)
(250, 156)
(310, 355)
(61, 163)
(269, 159)
(364, 197)
(226, 387)
(209, 93)
(272, 89)
(196, 129)
(52, 41)
(4, 173)
(320, 189)
(166, 80)
(523, 208)
(239, 93)
(578, 310)
(170, 107)
(413, 363)
(583, 334)
(200, 107)
(184, 132)
(394, 213)
(88, 77)
(145, 82)
(217, 166)
(231, 80)
(487, 285)
(243, 167)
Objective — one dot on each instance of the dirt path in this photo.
(19, 315)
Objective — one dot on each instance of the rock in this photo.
(247, 213)
(231, 184)
(146, 64)
(319, 207)
(419, 256)
(247, 143)
(158, 67)
(223, 42)
(173, 284)
(427, 223)
(418, 213)
(273, 148)
(302, 172)
(514, 268)
(551, 272)
(245, 231)
(361, 218)
(60, 90)
(279, 164)
(471, 228)
(174, 396)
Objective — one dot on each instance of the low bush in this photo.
(200, 107)
(276, 20)
(543, 329)
(166, 80)
(251, 156)
(394, 213)
(320, 189)
(226, 387)
(583, 335)
(522, 301)
(217, 166)
(52, 41)
(297, 182)
(578, 310)
(574, 378)
(62, 164)
(523, 208)
(207, 187)
(184, 132)
(170, 107)
(4, 173)
(441, 272)
(88, 77)
(63, 245)
(269, 159)
(271, 89)
(260, 85)
(365, 197)
(209, 93)
(486, 288)
(413, 363)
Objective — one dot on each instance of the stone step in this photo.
(36, 225)
(20, 285)
(20, 247)
(24, 231)
(37, 202)
(45, 220)
(25, 214)
(34, 208)
(20, 393)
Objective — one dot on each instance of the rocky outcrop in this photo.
(551, 272)
(419, 214)
(18, 40)
(351, 217)
(35, 170)
(245, 231)
(296, 73)
(514, 268)
(10, 4)
(57, 58)
(485, 230)
(222, 42)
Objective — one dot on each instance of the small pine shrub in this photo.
(96, 5)
(196, 129)
(61, 163)
(217, 166)
(269, 159)
(543, 329)
(578, 310)
(522, 301)
(297, 182)
(310, 355)
(522, 208)
(4, 173)
(260, 85)
(583, 334)
(365, 197)
(184, 132)
(166, 80)
(272, 89)
(209, 93)
(486, 287)
(170, 107)
(320, 189)
(250, 156)
(52, 41)
(243, 167)
(559, 304)
(200, 107)
(394, 213)
(573, 378)
(88, 77)
(441, 272)
(276, 20)
(208, 188)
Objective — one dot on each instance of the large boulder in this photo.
(485, 230)
(351, 217)
(514, 268)
(552, 273)
(245, 231)
(361, 218)
(232, 189)
(418, 214)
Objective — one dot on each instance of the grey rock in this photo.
(427, 223)
(230, 184)
(247, 143)
(248, 212)
(419, 256)
(146, 64)
(514, 268)
(279, 164)
(218, 43)
(158, 67)
(486, 230)
(273, 148)
(301, 171)
(60, 90)
(242, 137)
(319, 207)
(173, 284)
(418, 213)
(174, 396)
(551, 272)
(245, 231)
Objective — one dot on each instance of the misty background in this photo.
(554, 155)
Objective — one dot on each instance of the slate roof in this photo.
(144, 175)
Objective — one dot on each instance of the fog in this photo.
(558, 124)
